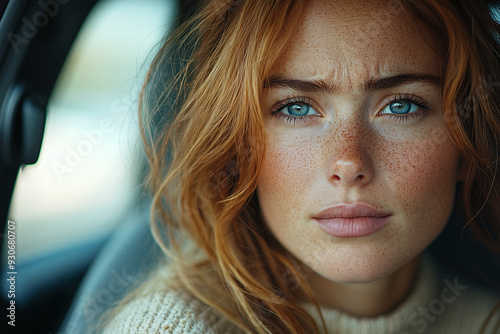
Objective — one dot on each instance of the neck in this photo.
(366, 299)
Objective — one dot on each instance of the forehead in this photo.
(349, 41)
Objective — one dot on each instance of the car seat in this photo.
(122, 265)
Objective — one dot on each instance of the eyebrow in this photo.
(321, 86)
(311, 86)
(401, 79)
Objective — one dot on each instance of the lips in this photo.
(351, 211)
(354, 220)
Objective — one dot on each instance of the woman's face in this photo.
(359, 175)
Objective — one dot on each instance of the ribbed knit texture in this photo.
(168, 312)
(438, 304)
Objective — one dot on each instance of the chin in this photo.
(352, 275)
(358, 268)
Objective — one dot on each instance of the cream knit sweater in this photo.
(438, 303)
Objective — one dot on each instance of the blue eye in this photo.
(297, 109)
(399, 107)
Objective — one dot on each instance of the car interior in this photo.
(67, 291)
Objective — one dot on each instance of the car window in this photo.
(85, 181)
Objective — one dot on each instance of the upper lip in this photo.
(351, 211)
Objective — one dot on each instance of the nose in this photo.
(350, 162)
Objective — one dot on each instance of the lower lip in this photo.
(352, 227)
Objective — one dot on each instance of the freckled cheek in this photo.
(288, 170)
(423, 174)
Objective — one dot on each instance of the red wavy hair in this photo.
(204, 140)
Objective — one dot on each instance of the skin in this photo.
(347, 151)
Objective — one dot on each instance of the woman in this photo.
(317, 149)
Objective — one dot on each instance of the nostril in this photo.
(347, 179)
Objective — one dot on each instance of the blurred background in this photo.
(86, 179)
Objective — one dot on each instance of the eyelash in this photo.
(419, 102)
(275, 111)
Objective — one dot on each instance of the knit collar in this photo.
(398, 321)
